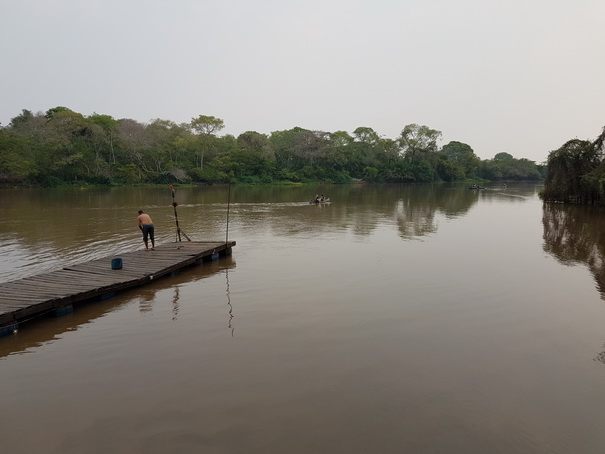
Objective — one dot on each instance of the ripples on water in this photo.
(21, 261)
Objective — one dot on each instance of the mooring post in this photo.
(176, 218)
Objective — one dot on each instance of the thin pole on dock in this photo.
(176, 217)
(228, 204)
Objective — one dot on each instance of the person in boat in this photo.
(317, 200)
(322, 198)
(146, 226)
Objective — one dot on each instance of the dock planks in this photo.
(35, 295)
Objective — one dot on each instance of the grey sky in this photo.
(520, 76)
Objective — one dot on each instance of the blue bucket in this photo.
(116, 264)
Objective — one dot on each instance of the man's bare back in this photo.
(144, 218)
(146, 226)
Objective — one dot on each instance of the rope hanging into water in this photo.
(228, 204)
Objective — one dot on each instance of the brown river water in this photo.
(396, 319)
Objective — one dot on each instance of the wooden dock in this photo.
(33, 296)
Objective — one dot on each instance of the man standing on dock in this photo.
(146, 226)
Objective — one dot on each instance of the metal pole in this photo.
(176, 218)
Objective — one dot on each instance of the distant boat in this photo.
(476, 187)
(327, 200)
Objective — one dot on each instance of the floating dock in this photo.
(58, 290)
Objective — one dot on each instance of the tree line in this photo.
(61, 146)
(576, 172)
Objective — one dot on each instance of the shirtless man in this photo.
(146, 226)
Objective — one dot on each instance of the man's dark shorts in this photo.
(147, 231)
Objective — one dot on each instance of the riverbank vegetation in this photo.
(61, 146)
(576, 172)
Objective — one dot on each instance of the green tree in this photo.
(206, 126)
(297, 147)
(416, 140)
(22, 119)
(566, 168)
(459, 156)
(450, 171)
(67, 149)
(505, 167)
(107, 138)
(16, 160)
(337, 156)
(256, 143)
(503, 156)
(134, 140)
(419, 147)
(51, 112)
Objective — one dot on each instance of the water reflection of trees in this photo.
(414, 220)
(576, 234)
(413, 209)
(416, 210)
(83, 214)
(361, 209)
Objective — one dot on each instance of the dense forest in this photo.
(61, 146)
(576, 172)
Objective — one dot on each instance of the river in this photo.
(395, 319)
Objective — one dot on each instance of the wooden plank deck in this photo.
(32, 296)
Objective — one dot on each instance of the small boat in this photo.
(476, 187)
(326, 200)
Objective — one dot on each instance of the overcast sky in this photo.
(520, 76)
